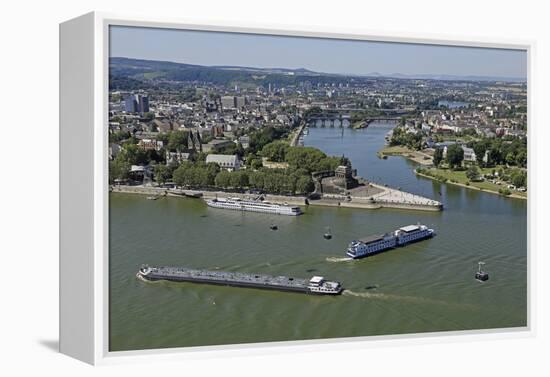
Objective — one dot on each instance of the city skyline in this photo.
(346, 57)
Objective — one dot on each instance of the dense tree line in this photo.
(358, 116)
(275, 151)
(296, 179)
(510, 151)
(201, 175)
(500, 151)
(277, 181)
(455, 156)
(408, 139)
(175, 141)
(124, 83)
(518, 178)
(314, 110)
(131, 154)
(118, 169)
(306, 159)
(473, 173)
(264, 136)
(118, 136)
(438, 156)
(197, 174)
(233, 149)
(310, 160)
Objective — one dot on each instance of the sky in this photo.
(316, 54)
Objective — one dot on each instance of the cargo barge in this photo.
(378, 243)
(316, 285)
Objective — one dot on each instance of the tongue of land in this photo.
(370, 195)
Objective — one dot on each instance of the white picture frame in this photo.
(84, 290)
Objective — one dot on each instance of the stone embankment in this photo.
(296, 136)
(385, 198)
(158, 191)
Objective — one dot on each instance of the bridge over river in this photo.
(342, 117)
(345, 121)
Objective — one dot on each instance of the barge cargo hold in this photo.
(316, 285)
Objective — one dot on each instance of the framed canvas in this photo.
(229, 189)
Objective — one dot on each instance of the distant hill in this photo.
(125, 70)
(121, 65)
(447, 77)
(299, 71)
(126, 73)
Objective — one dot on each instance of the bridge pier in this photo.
(332, 118)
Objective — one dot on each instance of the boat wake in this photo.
(147, 280)
(347, 292)
(409, 299)
(338, 259)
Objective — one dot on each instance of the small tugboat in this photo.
(273, 227)
(327, 234)
(480, 274)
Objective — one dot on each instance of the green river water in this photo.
(424, 287)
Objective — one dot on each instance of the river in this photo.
(453, 104)
(424, 287)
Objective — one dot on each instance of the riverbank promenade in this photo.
(294, 142)
(369, 196)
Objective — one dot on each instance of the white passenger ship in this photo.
(254, 206)
(375, 244)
